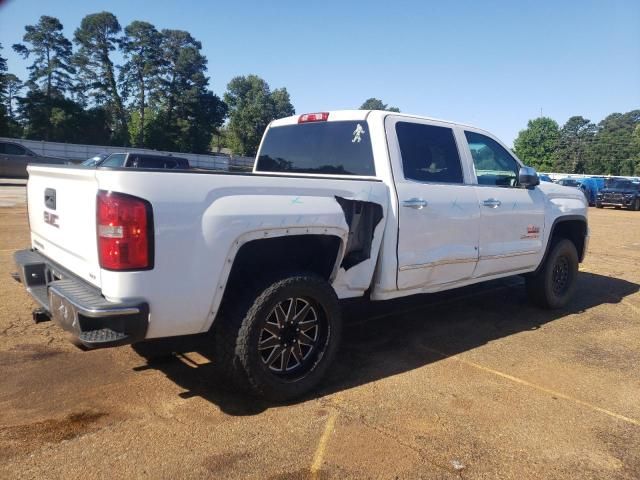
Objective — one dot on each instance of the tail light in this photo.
(125, 232)
(313, 117)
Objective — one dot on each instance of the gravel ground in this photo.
(468, 384)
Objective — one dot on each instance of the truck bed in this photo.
(201, 219)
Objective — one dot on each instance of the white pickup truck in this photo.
(340, 204)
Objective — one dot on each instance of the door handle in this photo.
(417, 203)
(492, 203)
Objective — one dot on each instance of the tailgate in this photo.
(62, 218)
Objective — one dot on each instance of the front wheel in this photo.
(553, 286)
(599, 205)
(636, 205)
(279, 342)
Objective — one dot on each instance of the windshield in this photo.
(622, 185)
(90, 162)
(114, 160)
(569, 183)
(335, 148)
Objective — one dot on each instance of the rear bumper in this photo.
(78, 307)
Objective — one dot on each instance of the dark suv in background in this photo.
(619, 193)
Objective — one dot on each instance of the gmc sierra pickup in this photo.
(340, 204)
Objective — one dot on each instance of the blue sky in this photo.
(494, 64)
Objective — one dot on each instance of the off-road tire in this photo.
(241, 323)
(553, 285)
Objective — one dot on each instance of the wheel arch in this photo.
(571, 227)
(313, 252)
(256, 256)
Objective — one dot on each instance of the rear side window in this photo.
(13, 149)
(114, 160)
(142, 161)
(429, 153)
(334, 148)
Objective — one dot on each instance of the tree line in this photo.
(158, 98)
(610, 147)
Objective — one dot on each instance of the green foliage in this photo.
(252, 105)
(97, 37)
(377, 104)
(188, 113)
(220, 140)
(4, 127)
(573, 151)
(610, 148)
(635, 146)
(3, 63)
(51, 69)
(536, 145)
(65, 119)
(12, 88)
(614, 148)
(159, 98)
(139, 75)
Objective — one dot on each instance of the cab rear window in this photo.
(327, 148)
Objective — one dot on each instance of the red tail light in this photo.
(125, 232)
(313, 117)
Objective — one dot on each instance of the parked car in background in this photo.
(95, 160)
(575, 183)
(14, 159)
(144, 160)
(591, 186)
(619, 193)
(568, 182)
(545, 178)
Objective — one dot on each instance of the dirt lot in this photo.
(473, 385)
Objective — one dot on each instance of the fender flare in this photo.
(220, 288)
(556, 222)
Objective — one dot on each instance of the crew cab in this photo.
(339, 204)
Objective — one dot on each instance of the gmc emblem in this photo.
(51, 219)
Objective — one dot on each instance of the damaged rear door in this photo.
(438, 211)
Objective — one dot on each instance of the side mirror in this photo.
(527, 177)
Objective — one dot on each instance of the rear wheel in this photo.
(635, 206)
(599, 205)
(279, 342)
(553, 286)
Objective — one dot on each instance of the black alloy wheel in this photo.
(277, 340)
(554, 283)
(293, 335)
(560, 276)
